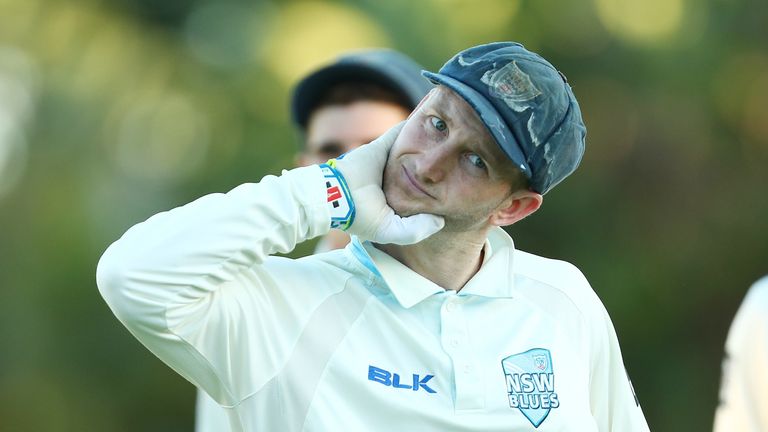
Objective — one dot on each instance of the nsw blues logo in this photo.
(530, 381)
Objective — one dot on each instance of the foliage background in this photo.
(112, 110)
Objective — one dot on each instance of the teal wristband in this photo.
(339, 199)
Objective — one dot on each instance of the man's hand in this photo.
(363, 169)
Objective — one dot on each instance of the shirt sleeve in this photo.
(615, 406)
(744, 389)
(190, 285)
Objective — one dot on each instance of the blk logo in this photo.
(387, 378)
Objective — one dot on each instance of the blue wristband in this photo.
(339, 198)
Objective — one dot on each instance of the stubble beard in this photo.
(460, 222)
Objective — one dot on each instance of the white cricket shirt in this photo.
(209, 415)
(744, 390)
(352, 340)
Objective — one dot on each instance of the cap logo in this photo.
(511, 85)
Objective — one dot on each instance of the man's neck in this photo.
(447, 259)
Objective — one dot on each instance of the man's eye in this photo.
(438, 124)
(476, 160)
(331, 149)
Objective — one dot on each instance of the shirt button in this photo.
(455, 342)
(467, 368)
(450, 307)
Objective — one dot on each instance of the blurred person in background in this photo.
(335, 109)
(743, 403)
(352, 102)
(429, 319)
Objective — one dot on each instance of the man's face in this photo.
(336, 129)
(445, 162)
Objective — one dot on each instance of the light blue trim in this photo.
(362, 255)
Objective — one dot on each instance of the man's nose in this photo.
(432, 165)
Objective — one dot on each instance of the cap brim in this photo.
(490, 117)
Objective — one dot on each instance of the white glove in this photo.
(374, 219)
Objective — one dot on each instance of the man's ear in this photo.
(519, 205)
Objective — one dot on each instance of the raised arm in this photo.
(190, 283)
(164, 279)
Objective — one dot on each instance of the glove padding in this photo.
(375, 220)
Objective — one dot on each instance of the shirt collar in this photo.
(406, 285)
(494, 279)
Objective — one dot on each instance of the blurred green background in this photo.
(111, 111)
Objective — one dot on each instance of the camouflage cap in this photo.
(526, 104)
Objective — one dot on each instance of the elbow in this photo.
(113, 278)
(118, 278)
(111, 275)
(128, 295)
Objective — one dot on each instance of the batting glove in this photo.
(357, 201)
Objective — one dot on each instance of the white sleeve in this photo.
(744, 389)
(187, 282)
(615, 406)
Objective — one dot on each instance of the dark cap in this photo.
(526, 104)
(384, 67)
